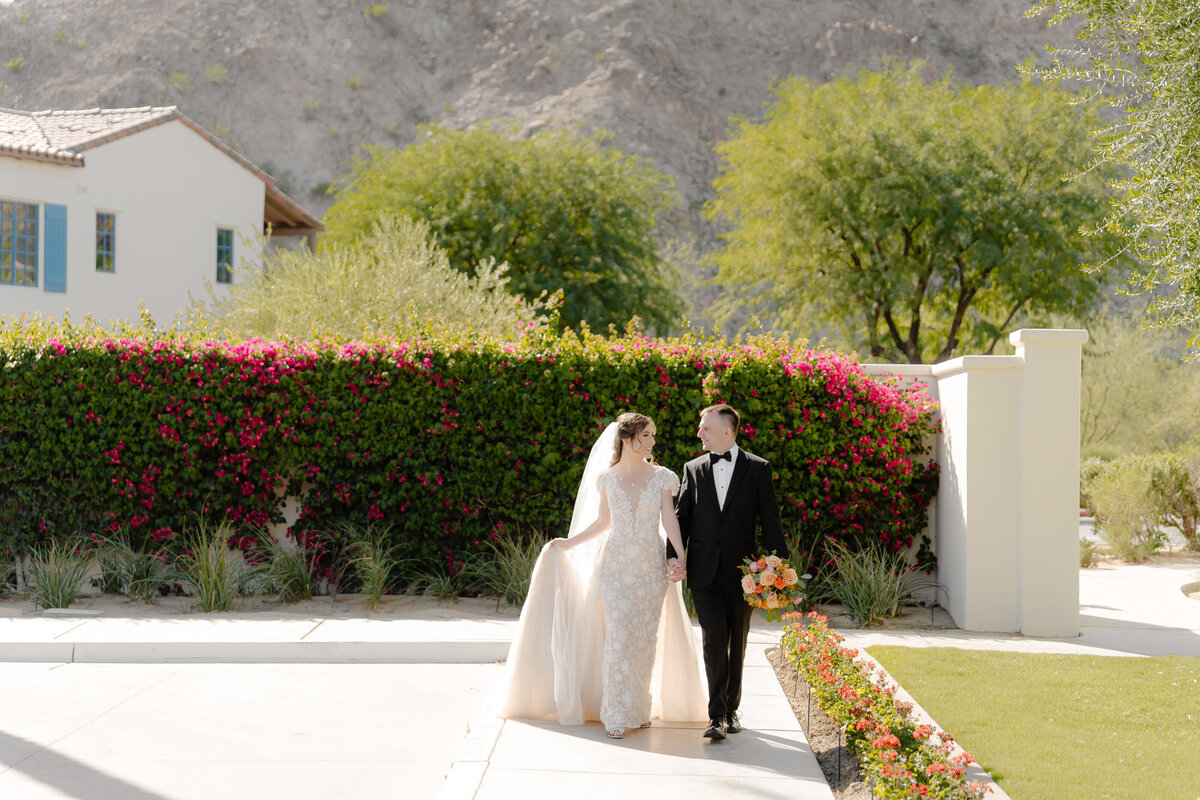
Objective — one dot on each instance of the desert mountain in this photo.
(299, 86)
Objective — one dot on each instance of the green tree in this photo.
(1136, 395)
(1142, 57)
(916, 218)
(394, 280)
(564, 211)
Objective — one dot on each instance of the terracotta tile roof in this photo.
(62, 137)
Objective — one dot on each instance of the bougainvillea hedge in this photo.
(442, 444)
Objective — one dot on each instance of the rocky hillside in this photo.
(299, 86)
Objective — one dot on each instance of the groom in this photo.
(722, 494)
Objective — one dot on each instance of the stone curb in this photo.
(448, 652)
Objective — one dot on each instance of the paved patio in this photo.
(289, 706)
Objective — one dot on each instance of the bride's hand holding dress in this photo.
(600, 636)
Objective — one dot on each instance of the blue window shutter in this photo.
(56, 248)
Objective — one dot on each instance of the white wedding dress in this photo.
(603, 634)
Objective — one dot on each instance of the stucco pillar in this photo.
(978, 548)
(1048, 500)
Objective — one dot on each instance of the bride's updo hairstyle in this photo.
(629, 426)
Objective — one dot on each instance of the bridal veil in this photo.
(555, 662)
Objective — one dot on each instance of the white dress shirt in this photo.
(723, 474)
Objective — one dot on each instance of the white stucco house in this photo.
(105, 208)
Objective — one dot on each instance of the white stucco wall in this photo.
(1006, 515)
(170, 190)
(978, 512)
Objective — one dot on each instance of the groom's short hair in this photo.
(726, 412)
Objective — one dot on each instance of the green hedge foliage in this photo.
(443, 445)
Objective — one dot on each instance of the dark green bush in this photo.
(442, 443)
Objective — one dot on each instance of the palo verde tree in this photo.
(1144, 60)
(564, 211)
(917, 218)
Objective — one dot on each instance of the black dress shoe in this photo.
(716, 730)
(731, 723)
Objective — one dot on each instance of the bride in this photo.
(600, 635)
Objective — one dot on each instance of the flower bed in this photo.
(902, 759)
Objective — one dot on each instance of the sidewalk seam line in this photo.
(312, 630)
(73, 628)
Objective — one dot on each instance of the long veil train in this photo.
(554, 664)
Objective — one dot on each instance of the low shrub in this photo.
(1134, 497)
(902, 759)
(216, 73)
(1088, 553)
(1128, 513)
(1089, 470)
(1175, 479)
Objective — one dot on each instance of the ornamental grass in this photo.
(57, 574)
(901, 758)
(214, 574)
(375, 563)
(128, 571)
(289, 568)
(507, 569)
(872, 583)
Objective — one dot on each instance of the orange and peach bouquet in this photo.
(771, 584)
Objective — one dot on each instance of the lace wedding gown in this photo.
(633, 583)
(603, 634)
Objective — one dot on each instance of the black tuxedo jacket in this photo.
(713, 535)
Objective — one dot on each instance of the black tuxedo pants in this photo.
(725, 622)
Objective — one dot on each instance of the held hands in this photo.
(675, 570)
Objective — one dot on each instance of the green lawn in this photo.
(1054, 726)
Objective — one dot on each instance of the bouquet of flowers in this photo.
(771, 584)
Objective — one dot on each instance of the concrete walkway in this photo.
(1136, 610)
(286, 706)
(277, 705)
(234, 731)
(770, 758)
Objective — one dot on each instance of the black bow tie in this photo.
(715, 457)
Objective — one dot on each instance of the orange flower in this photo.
(780, 583)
